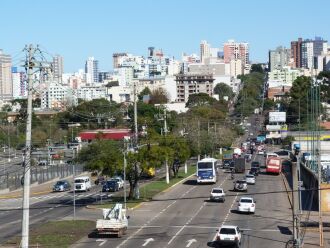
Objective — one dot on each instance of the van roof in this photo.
(83, 177)
(207, 160)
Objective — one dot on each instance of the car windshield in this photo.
(255, 164)
(60, 183)
(246, 200)
(204, 165)
(241, 181)
(249, 176)
(227, 231)
(79, 181)
(217, 191)
(111, 183)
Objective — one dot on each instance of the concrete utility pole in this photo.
(27, 162)
(135, 116)
(166, 161)
(29, 65)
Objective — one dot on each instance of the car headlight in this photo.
(199, 178)
(211, 177)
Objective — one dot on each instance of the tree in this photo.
(112, 84)
(257, 68)
(145, 92)
(200, 99)
(223, 90)
(159, 96)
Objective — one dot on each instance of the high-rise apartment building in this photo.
(236, 50)
(279, 58)
(307, 54)
(117, 59)
(191, 83)
(92, 70)
(58, 68)
(6, 83)
(296, 52)
(204, 50)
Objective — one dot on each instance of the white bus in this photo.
(207, 170)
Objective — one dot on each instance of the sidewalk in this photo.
(37, 189)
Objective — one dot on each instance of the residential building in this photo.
(236, 67)
(104, 75)
(236, 50)
(92, 70)
(279, 58)
(91, 92)
(58, 68)
(188, 84)
(6, 83)
(286, 74)
(296, 52)
(16, 77)
(307, 54)
(117, 59)
(57, 96)
(204, 50)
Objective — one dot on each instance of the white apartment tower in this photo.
(205, 50)
(92, 70)
(6, 83)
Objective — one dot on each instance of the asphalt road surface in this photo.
(183, 217)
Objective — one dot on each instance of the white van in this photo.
(82, 184)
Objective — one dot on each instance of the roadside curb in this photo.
(184, 179)
(91, 207)
(286, 185)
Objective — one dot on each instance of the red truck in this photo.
(274, 165)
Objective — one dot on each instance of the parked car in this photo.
(62, 185)
(250, 179)
(246, 204)
(217, 194)
(229, 235)
(119, 181)
(110, 186)
(240, 185)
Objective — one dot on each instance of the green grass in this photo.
(56, 233)
(149, 190)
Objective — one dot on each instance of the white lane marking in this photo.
(103, 241)
(188, 222)
(156, 216)
(147, 241)
(190, 241)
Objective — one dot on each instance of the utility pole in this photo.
(74, 189)
(135, 116)
(30, 64)
(166, 160)
(27, 161)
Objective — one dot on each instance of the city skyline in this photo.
(100, 29)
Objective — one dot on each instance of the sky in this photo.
(78, 29)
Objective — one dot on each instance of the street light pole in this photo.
(125, 164)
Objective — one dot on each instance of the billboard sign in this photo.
(277, 117)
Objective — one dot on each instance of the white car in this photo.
(247, 205)
(240, 185)
(119, 181)
(230, 235)
(250, 179)
(217, 194)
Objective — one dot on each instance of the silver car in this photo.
(240, 185)
(250, 179)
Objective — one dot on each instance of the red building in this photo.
(112, 134)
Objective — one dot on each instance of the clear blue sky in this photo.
(77, 29)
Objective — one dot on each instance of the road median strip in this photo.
(148, 191)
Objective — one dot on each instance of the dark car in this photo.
(110, 186)
(254, 171)
(256, 165)
(61, 186)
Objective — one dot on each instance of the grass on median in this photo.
(150, 189)
(55, 234)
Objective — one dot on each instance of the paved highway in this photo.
(54, 206)
(183, 217)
